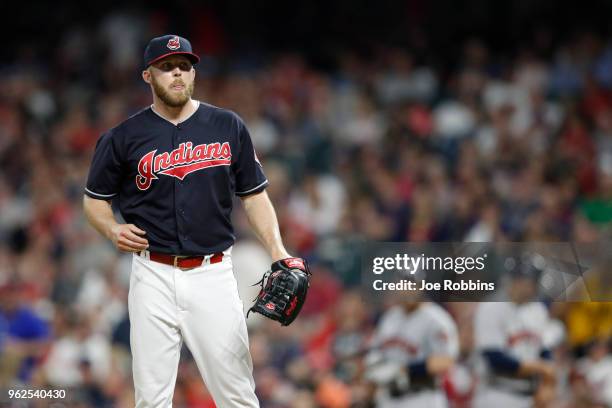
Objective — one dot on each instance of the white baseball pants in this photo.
(493, 397)
(201, 306)
(423, 399)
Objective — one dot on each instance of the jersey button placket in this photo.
(180, 222)
(179, 193)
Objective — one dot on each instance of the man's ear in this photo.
(146, 76)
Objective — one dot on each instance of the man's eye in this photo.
(184, 66)
(166, 67)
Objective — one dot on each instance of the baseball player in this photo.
(173, 169)
(592, 377)
(513, 341)
(414, 345)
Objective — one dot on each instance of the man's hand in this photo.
(125, 237)
(128, 238)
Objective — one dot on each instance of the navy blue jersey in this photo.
(177, 182)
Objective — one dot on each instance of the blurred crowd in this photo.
(387, 146)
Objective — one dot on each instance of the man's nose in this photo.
(176, 72)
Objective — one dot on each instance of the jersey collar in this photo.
(184, 120)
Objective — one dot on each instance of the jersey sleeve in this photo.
(387, 327)
(444, 338)
(103, 180)
(250, 177)
(489, 333)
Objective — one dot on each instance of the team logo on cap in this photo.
(174, 43)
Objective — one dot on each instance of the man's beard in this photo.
(172, 99)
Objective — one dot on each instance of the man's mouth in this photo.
(177, 87)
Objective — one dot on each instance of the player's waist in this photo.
(183, 261)
(183, 243)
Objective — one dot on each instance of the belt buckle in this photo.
(176, 258)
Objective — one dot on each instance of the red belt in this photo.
(184, 261)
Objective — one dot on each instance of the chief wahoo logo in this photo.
(174, 43)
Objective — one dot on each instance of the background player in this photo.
(174, 168)
(591, 380)
(513, 340)
(414, 345)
